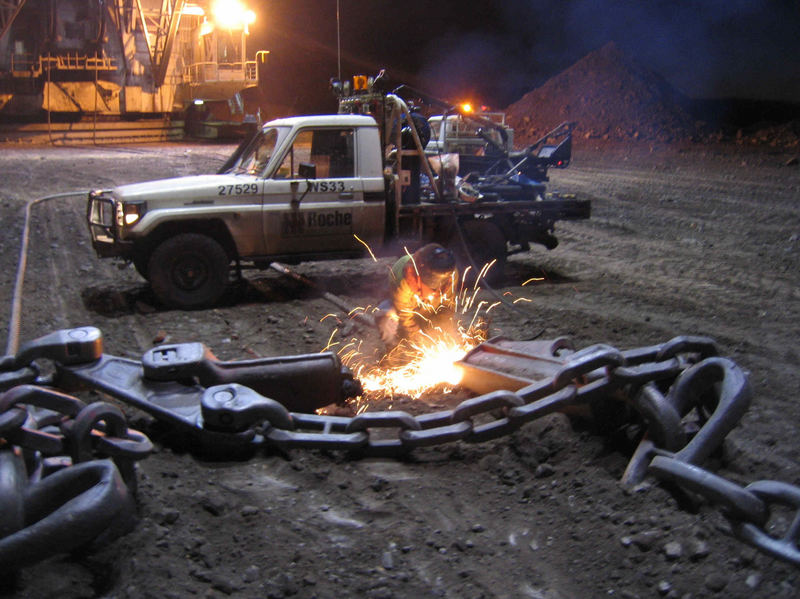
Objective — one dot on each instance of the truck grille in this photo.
(101, 216)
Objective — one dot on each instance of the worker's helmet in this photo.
(435, 264)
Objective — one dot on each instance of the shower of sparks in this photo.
(429, 361)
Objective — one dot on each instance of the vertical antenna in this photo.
(338, 43)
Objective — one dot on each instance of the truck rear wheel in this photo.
(485, 242)
(189, 271)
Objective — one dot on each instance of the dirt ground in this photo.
(683, 240)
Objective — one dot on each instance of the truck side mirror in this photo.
(307, 170)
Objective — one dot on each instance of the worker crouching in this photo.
(422, 289)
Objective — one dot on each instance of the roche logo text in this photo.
(314, 221)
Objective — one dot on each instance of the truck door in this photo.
(314, 202)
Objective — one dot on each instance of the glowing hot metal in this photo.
(428, 362)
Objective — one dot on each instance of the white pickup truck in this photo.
(306, 188)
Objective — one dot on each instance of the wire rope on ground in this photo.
(22, 262)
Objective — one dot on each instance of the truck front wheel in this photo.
(188, 271)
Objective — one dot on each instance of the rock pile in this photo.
(781, 135)
(610, 96)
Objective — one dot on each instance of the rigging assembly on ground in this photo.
(68, 467)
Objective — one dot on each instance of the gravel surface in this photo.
(699, 240)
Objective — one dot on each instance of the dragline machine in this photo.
(123, 58)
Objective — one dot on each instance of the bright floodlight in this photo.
(232, 14)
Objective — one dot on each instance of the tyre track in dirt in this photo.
(708, 258)
(54, 227)
(666, 272)
(759, 207)
(714, 251)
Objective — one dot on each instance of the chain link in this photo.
(747, 508)
(9, 379)
(69, 509)
(736, 501)
(786, 548)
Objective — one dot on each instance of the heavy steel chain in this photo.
(747, 508)
(684, 397)
(592, 374)
(67, 475)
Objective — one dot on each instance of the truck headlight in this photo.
(129, 213)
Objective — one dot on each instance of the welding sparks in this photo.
(426, 362)
(532, 280)
(410, 369)
(430, 365)
(369, 249)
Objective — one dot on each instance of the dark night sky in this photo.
(494, 52)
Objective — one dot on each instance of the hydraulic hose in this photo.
(16, 301)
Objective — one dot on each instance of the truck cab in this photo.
(321, 184)
(302, 188)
